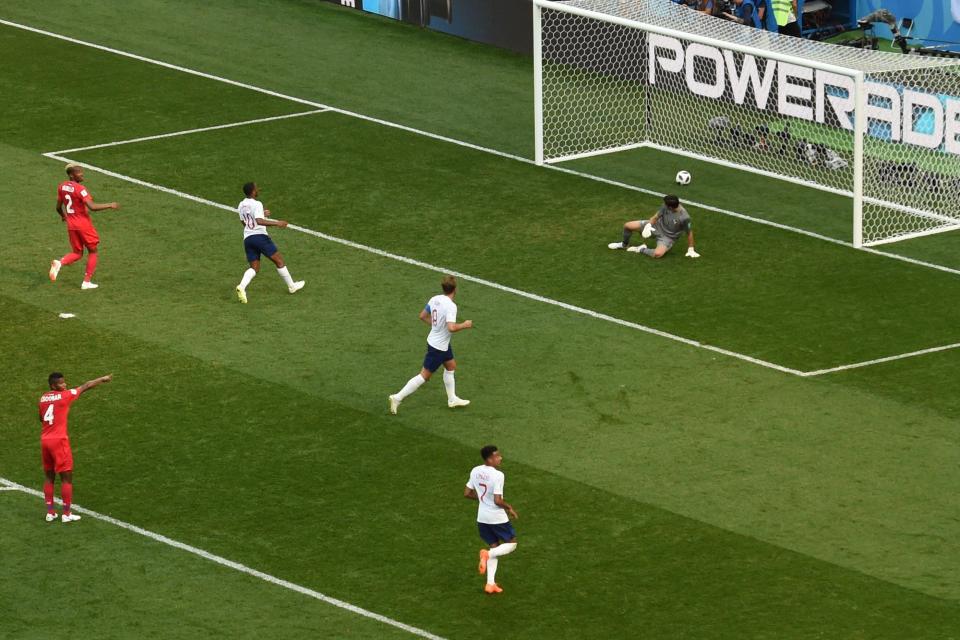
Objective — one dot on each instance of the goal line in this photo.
(511, 290)
(461, 143)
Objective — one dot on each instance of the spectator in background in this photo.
(762, 11)
(785, 13)
(745, 13)
(705, 6)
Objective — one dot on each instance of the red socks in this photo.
(48, 496)
(91, 266)
(70, 258)
(66, 493)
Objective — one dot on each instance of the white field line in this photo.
(185, 132)
(867, 363)
(463, 276)
(517, 292)
(323, 107)
(461, 143)
(9, 485)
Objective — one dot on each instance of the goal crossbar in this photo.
(879, 128)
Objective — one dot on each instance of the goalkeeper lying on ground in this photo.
(666, 225)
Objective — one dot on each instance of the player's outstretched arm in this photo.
(90, 384)
(691, 252)
(500, 502)
(266, 222)
(453, 327)
(93, 206)
(469, 493)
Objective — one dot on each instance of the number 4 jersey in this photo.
(487, 482)
(54, 408)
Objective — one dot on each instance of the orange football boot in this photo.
(482, 567)
(492, 588)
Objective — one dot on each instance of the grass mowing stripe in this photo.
(461, 143)
(463, 276)
(9, 485)
(174, 134)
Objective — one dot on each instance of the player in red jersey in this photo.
(55, 442)
(73, 204)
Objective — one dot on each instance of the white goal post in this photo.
(878, 127)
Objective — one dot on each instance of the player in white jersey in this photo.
(493, 514)
(441, 314)
(256, 241)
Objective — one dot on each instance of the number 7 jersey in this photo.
(54, 409)
(487, 482)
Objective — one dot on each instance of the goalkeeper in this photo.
(666, 225)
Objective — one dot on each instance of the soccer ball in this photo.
(683, 177)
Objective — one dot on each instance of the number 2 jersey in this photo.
(487, 482)
(73, 198)
(54, 409)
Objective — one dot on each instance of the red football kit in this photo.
(54, 440)
(74, 197)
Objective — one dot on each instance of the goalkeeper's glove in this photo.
(647, 230)
(691, 253)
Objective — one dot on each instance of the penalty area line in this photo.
(9, 485)
(439, 269)
(461, 143)
(185, 132)
(868, 363)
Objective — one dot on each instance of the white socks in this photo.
(450, 385)
(247, 277)
(412, 385)
(492, 559)
(285, 274)
(492, 569)
(503, 549)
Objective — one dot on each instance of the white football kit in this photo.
(250, 210)
(442, 310)
(487, 482)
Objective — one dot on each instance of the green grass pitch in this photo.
(664, 491)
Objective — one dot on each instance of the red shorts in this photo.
(57, 455)
(80, 238)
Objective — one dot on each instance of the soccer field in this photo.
(761, 443)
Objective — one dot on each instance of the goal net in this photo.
(880, 128)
